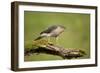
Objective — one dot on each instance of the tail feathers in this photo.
(38, 38)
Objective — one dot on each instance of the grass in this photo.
(76, 34)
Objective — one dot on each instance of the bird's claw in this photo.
(50, 43)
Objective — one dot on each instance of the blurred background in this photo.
(76, 34)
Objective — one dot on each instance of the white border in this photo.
(34, 64)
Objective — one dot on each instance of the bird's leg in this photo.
(49, 40)
(56, 40)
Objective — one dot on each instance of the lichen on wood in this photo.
(43, 46)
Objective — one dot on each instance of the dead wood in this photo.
(65, 53)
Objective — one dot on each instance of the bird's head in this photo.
(61, 26)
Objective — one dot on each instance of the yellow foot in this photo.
(50, 43)
(43, 45)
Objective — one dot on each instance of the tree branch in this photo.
(65, 53)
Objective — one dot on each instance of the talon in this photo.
(50, 43)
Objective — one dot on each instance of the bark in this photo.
(65, 53)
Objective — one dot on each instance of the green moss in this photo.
(40, 43)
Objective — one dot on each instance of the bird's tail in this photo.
(38, 38)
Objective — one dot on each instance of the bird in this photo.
(52, 31)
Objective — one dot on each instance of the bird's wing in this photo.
(50, 29)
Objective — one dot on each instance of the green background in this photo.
(76, 34)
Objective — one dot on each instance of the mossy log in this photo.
(65, 53)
